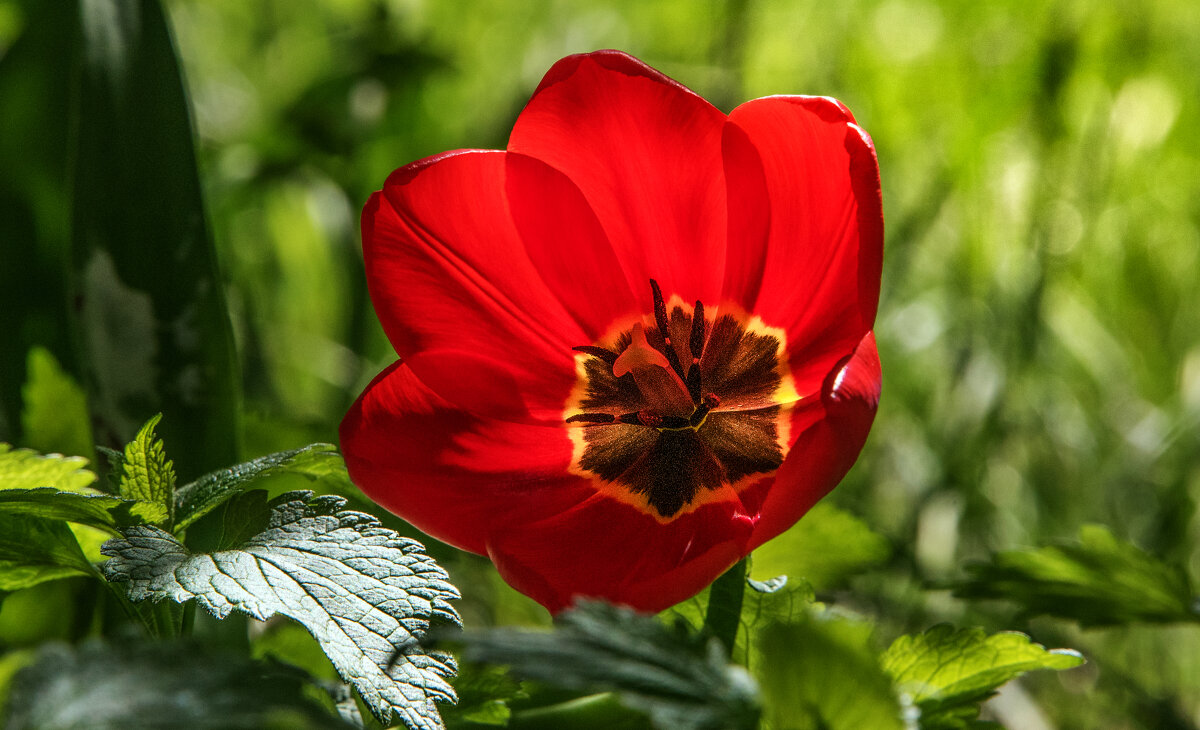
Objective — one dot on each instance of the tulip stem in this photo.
(725, 605)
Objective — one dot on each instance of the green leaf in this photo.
(153, 331)
(675, 675)
(36, 74)
(776, 600)
(365, 593)
(55, 413)
(25, 469)
(1099, 581)
(194, 500)
(97, 510)
(34, 550)
(483, 696)
(104, 687)
(947, 672)
(820, 672)
(827, 546)
(146, 473)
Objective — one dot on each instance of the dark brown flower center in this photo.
(669, 415)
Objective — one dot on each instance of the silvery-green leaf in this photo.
(365, 593)
(675, 675)
(194, 500)
(120, 686)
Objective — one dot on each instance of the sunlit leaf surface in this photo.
(946, 672)
(367, 594)
(146, 472)
(25, 469)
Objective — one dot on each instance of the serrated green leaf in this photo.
(146, 472)
(25, 469)
(34, 550)
(97, 510)
(194, 500)
(819, 672)
(54, 415)
(675, 675)
(366, 594)
(827, 546)
(1097, 581)
(103, 687)
(946, 671)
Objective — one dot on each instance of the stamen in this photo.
(693, 382)
(696, 342)
(592, 418)
(604, 354)
(650, 418)
(660, 318)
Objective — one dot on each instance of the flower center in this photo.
(668, 436)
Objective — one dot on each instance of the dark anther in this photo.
(660, 318)
(660, 310)
(592, 418)
(607, 356)
(697, 339)
(711, 400)
(693, 382)
(630, 418)
(650, 418)
(674, 422)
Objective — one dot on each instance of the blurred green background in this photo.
(1040, 319)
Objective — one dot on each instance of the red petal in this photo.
(568, 246)
(457, 294)
(825, 448)
(606, 549)
(450, 473)
(645, 152)
(820, 273)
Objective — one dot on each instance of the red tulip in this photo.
(633, 346)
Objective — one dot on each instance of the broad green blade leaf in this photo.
(35, 223)
(25, 469)
(673, 674)
(194, 500)
(1098, 581)
(55, 414)
(97, 510)
(365, 593)
(827, 546)
(947, 672)
(819, 673)
(154, 332)
(34, 550)
(146, 473)
(103, 687)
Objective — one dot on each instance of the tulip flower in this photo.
(635, 344)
